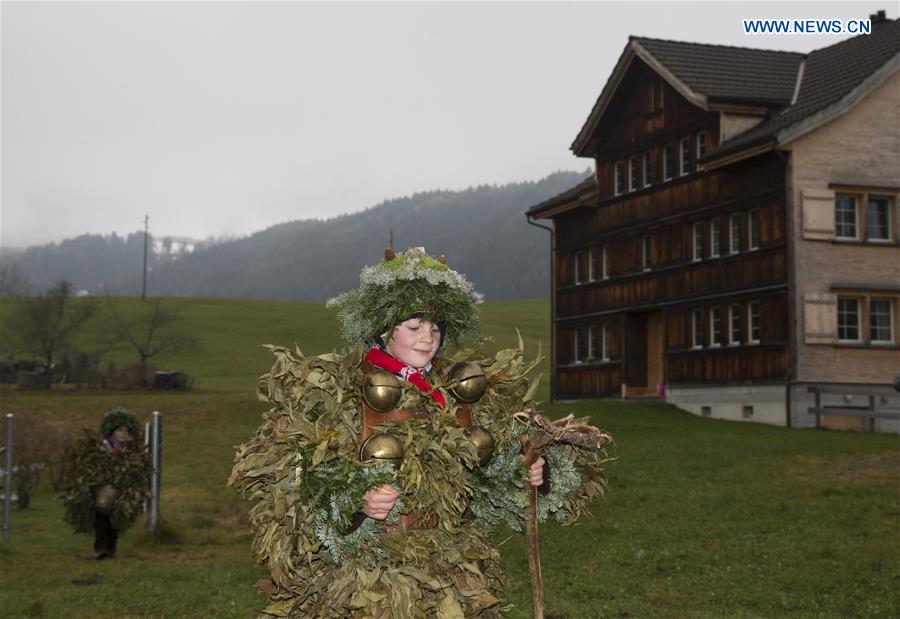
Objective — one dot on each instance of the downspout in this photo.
(791, 373)
(552, 304)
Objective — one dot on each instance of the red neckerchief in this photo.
(383, 360)
(114, 447)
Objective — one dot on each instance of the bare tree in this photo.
(153, 330)
(45, 324)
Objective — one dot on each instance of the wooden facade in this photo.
(677, 272)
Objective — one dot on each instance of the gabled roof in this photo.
(831, 81)
(792, 87)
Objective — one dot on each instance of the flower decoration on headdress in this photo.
(402, 286)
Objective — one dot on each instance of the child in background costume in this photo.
(380, 469)
(107, 480)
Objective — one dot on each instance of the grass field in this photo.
(704, 518)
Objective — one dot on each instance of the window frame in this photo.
(633, 173)
(715, 238)
(888, 203)
(618, 178)
(715, 327)
(697, 243)
(592, 266)
(576, 272)
(890, 315)
(668, 161)
(700, 144)
(838, 196)
(604, 342)
(753, 325)
(697, 329)
(646, 253)
(684, 162)
(604, 263)
(858, 301)
(753, 230)
(645, 170)
(734, 234)
(734, 314)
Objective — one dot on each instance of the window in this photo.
(592, 264)
(685, 159)
(753, 322)
(848, 319)
(604, 333)
(715, 327)
(734, 237)
(706, 411)
(604, 263)
(645, 170)
(845, 216)
(619, 178)
(697, 329)
(747, 412)
(592, 344)
(579, 270)
(646, 253)
(734, 324)
(633, 174)
(880, 321)
(753, 230)
(701, 144)
(697, 242)
(581, 344)
(715, 238)
(878, 219)
(668, 161)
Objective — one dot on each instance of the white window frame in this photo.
(633, 173)
(753, 230)
(684, 161)
(715, 238)
(858, 301)
(734, 314)
(734, 234)
(889, 203)
(591, 344)
(701, 144)
(697, 329)
(668, 161)
(715, 319)
(577, 271)
(646, 253)
(838, 226)
(604, 343)
(890, 338)
(697, 242)
(592, 270)
(618, 178)
(753, 322)
(579, 333)
(604, 263)
(645, 169)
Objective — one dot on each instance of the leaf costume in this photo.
(93, 465)
(432, 556)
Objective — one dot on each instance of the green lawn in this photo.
(704, 518)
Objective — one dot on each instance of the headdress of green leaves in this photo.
(404, 285)
(118, 417)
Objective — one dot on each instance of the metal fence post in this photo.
(7, 476)
(156, 453)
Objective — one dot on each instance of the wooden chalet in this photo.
(739, 241)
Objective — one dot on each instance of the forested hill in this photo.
(482, 231)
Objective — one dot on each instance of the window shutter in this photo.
(820, 318)
(818, 214)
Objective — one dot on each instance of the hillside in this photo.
(482, 230)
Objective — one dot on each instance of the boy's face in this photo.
(121, 435)
(415, 342)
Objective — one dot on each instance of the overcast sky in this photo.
(225, 118)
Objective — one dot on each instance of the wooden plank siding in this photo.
(649, 309)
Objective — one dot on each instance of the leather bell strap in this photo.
(383, 360)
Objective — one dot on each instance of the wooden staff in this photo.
(559, 431)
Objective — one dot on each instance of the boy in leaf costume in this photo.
(380, 469)
(107, 480)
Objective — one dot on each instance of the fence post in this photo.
(156, 453)
(7, 476)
